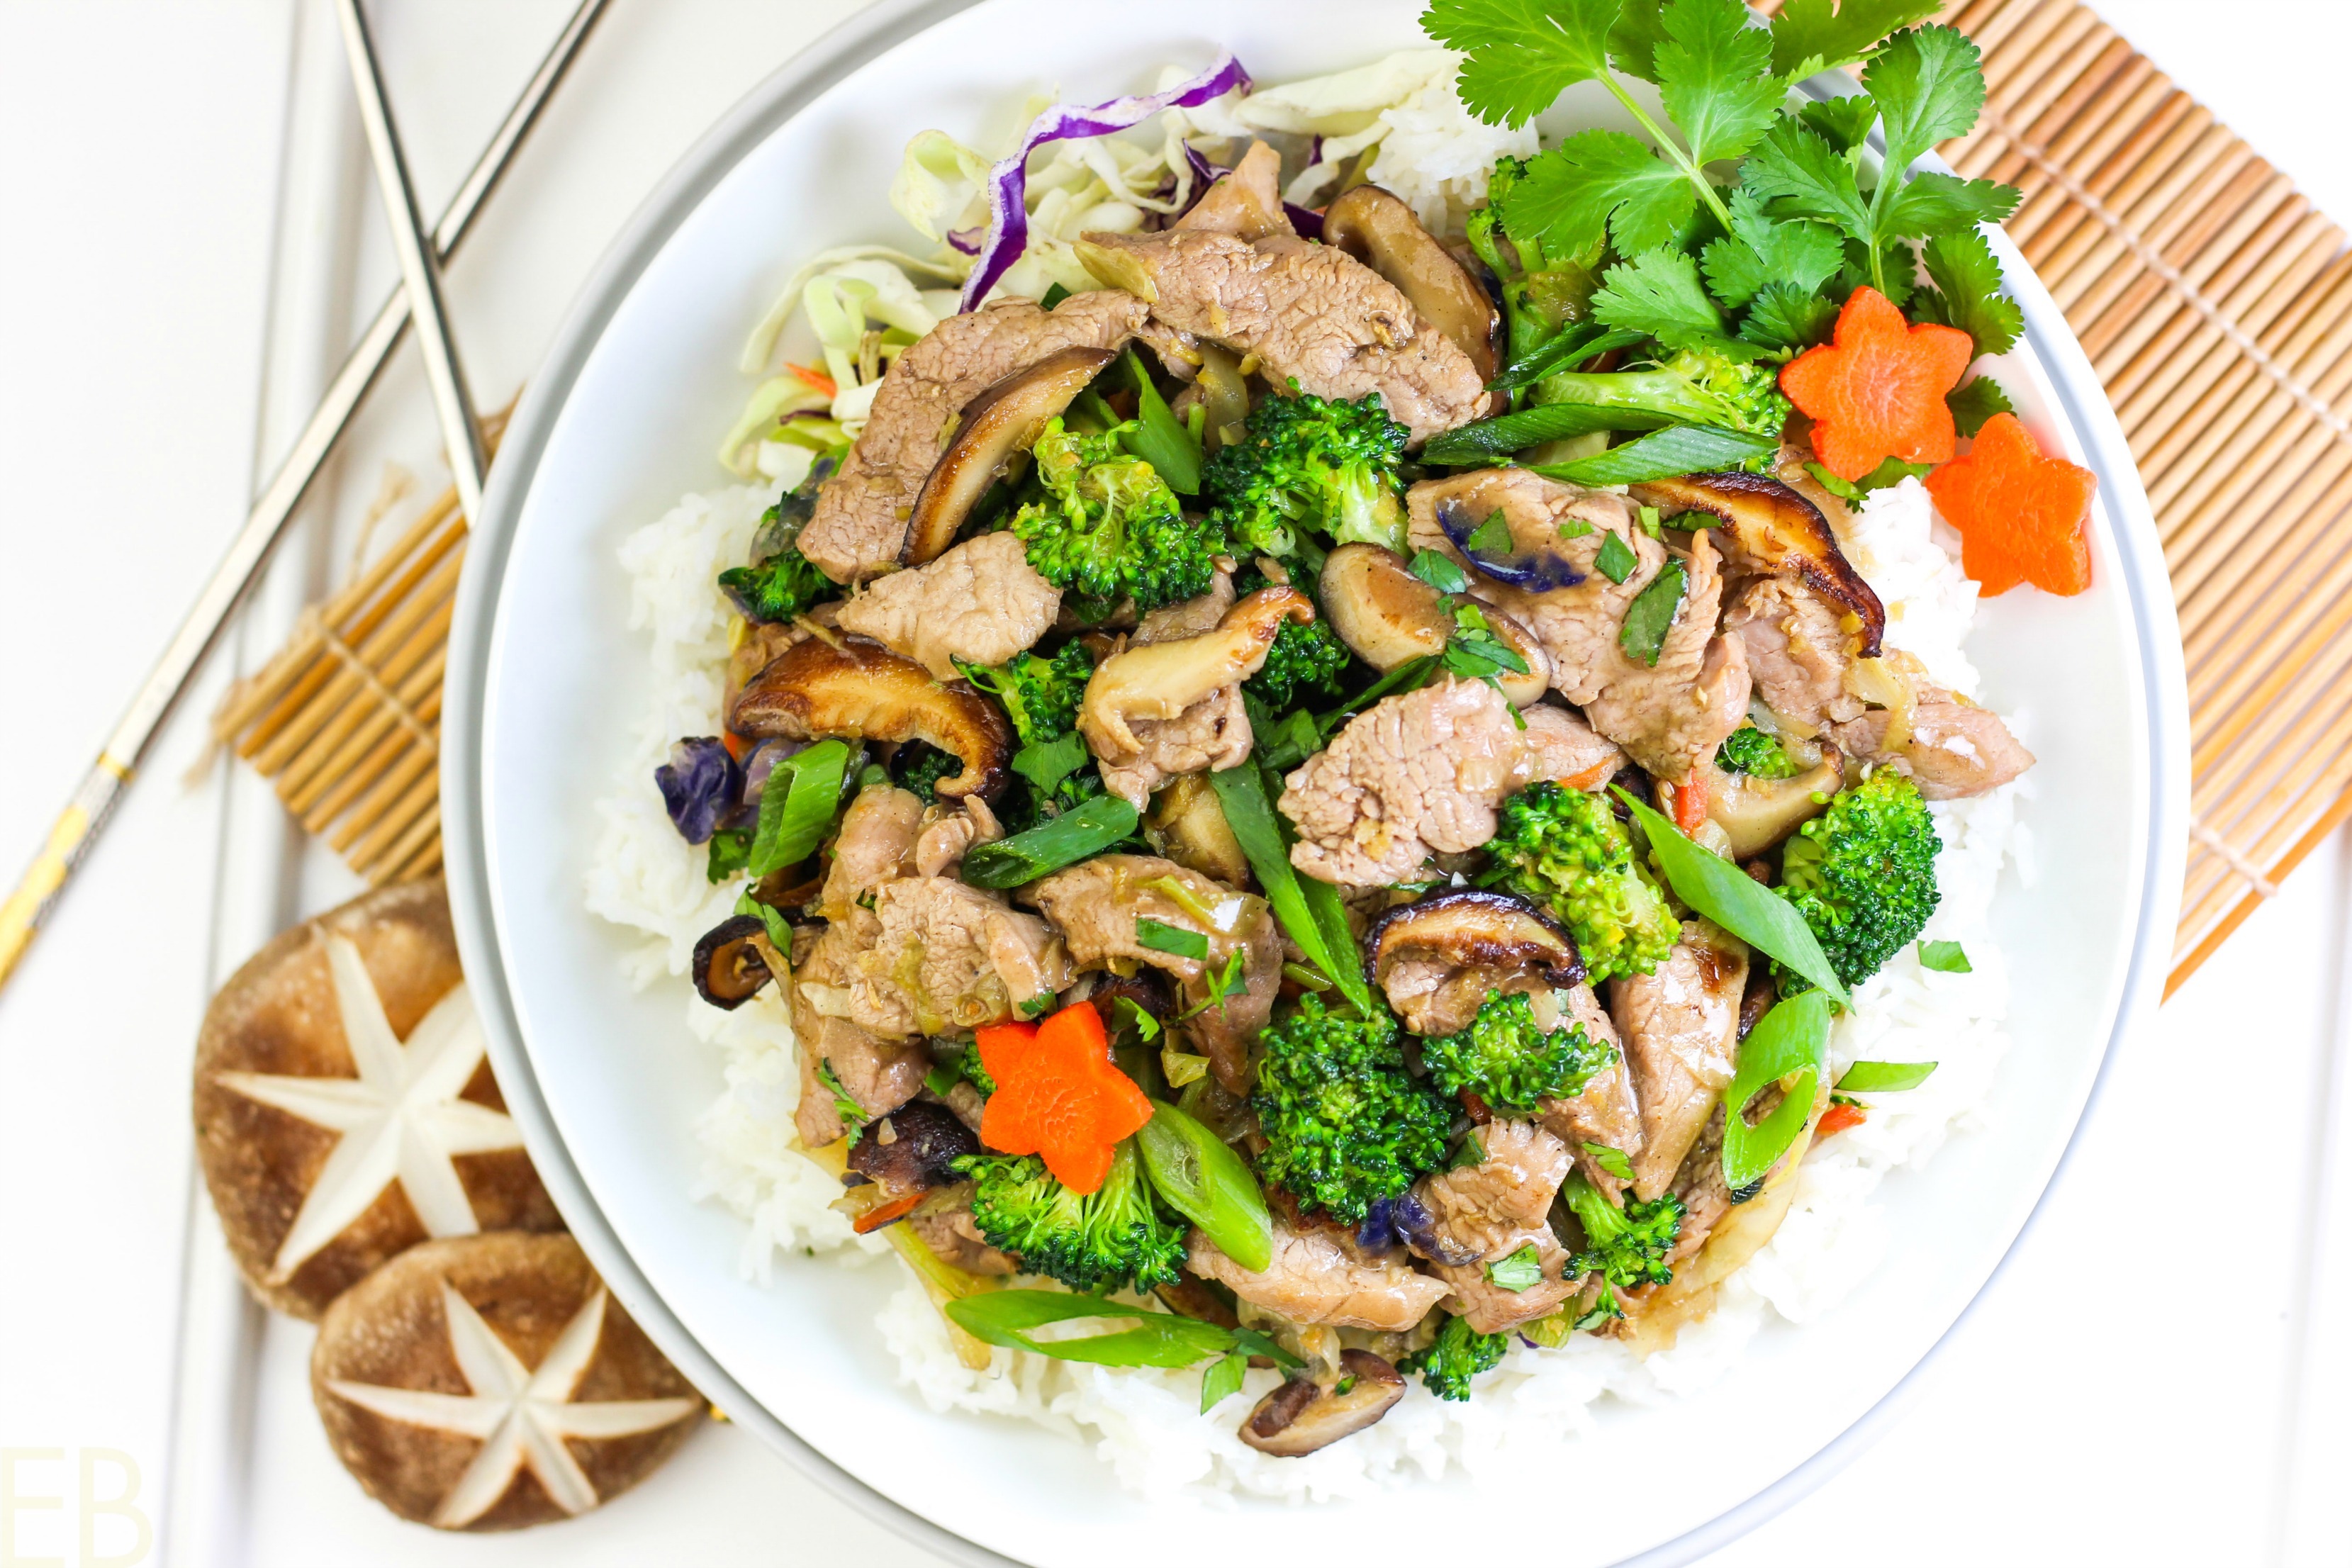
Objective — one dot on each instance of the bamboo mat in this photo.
(2216, 305)
(2214, 302)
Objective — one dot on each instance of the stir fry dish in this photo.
(1310, 764)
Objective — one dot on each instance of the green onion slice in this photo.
(1203, 1180)
(1080, 832)
(1521, 1271)
(1159, 438)
(1616, 561)
(1885, 1078)
(1222, 1381)
(1661, 455)
(1564, 350)
(1651, 614)
(1487, 440)
(1248, 800)
(1793, 1038)
(1727, 896)
(1161, 937)
(796, 806)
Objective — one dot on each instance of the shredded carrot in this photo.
(1058, 1095)
(881, 1214)
(1838, 1118)
(816, 379)
(1690, 803)
(2023, 517)
(1877, 390)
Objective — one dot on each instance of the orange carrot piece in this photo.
(1877, 390)
(1690, 802)
(814, 379)
(1838, 1118)
(1059, 1096)
(2023, 517)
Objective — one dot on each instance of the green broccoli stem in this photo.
(1604, 1221)
(1655, 398)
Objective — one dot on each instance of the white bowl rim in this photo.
(848, 46)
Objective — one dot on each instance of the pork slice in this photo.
(1568, 750)
(980, 601)
(880, 1075)
(1606, 1112)
(1420, 771)
(929, 961)
(1578, 622)
(949, 832)
(1956, 748)
(1244, 201)
(1492, 1209)
(1680, 1026)
(1671, 716)
(1212, 734)
(1189, 617)
(876, 839)
(1797, 653)
(1320, 1276)
(1309, 312)
(1095, 906)
(859, 526)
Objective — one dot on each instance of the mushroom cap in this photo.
(399, 1332)
(1380, 230)
(278, 1018)
(1768, 529)
(858, 690)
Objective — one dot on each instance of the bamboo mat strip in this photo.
(2214, 302)
(2216, 305)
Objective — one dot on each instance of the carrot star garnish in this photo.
(2023, 517)
(1877, 390)
(1059, 1096)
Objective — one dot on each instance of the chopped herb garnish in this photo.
(1944, 958)
(1161, 937)
(1616, 561)
(1521, 1271)
(1651, 522)
(1575, 527)
(1223, 1380)
(1471, 1151)
(1440, 572)
(1611, 1160)
(1493, 537)
(1048, 762)
(1652, 615)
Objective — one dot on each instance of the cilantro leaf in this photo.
(1712, 76)
(1633, 41)
(1651, 614)
(1845, 123)
(1977, 401)
(1596, 183)
(1787, 317)
(1808, 37)
(1521, 55)
(1758, 251)
(1967, 292)
(1659, 292)
(1928, 86)
(1796, 174)
(1933, 203)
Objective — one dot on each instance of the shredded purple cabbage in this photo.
(1538, 574)
(1008, 182)
(1305, 220)
(699, 784)
(757, 764)
(1406, 1220)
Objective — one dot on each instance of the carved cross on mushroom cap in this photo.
(401, 1118)
(522, 1415)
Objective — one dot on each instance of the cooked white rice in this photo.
(1145, 1424)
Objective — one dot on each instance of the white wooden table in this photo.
(2163, 1375)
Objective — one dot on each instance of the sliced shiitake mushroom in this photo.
(1474, 928)
(913, 1149)
(1755, 814)
(1188, 826)
(1387, 617)
(993, 429)
(1380, 231)
(731, 967)
(1160, 680)
(1303, 1415)
(1767, 527)
(853, 688)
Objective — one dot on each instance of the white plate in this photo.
(545, 687)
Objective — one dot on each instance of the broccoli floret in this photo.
(1346, 1124)
(1101, 1240)
(1459, 1354)
(1695, 386)
(1544, 288)
(1509, 1062)
(1305, 660)
(1322, 464)
(1566, 850)
(1626, 1247)
(1108, 528)
(1748, 750)
(781, 581)
(917, 767)
(1863, 874)
(969, 1066)
(1040, 695)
